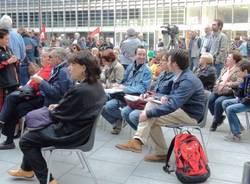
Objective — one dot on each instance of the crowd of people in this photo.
(44, 84)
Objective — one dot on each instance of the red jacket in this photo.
(44, 72)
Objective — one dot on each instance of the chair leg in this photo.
(80, 158)
(203, 142)
(22, 127)
(89, 168)
(49, 165)
(175, 131)
(247, 121)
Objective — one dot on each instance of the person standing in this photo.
(128, 48)
(8, 67)
(219, 46)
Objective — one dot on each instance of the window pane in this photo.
(240, 14)
(225, 13)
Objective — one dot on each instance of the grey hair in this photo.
(6, 22)
(61, 53)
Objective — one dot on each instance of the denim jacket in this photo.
(187, 93)
(138, 82)
(58, 83)
(163, 84)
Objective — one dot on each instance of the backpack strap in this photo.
(166, 168)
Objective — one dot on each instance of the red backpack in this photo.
(191, 161)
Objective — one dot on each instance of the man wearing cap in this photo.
(128, 47)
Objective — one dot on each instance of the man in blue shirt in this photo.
(137, 79)
(185, 103)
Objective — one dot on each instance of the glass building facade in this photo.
(115, 16)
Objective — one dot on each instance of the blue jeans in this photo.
(131, 116)
(111, 111)
(215, 106)
(232, 107)
(194, 62)
(218, 68)
(24, 75)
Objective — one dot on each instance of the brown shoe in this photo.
(21, 173)
(133, 145)
(54, 181)
(155, 158)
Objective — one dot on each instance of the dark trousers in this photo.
(31, 144)
(14, 108)
(215, 106)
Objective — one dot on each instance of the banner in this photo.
(95, 32)
(43, 33)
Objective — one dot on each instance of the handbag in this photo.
(226, 91)
(118, 96)
(27, 92)
(38, 119)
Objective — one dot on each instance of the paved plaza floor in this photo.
(113, 166)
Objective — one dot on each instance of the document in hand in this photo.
(113, 90)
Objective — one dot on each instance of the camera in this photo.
(171, 30)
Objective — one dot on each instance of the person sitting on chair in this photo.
(136, 80)
(50, 91)
(239, 104)
(87, 99)
(159, 88)
(185, 103)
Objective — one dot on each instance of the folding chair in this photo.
(247, 120)
(80, 150)
(201, 123)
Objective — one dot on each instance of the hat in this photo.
(131, 32)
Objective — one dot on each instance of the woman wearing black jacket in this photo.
(76, 112)
(8, 67)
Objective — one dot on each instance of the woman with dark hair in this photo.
(113, 71)
(8, 67)
(223, 89)
(75, 114)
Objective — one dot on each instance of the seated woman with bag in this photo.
(159, 88)
(71, 120)
(223, 89)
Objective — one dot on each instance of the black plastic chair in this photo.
(80, 151)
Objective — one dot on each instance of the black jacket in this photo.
(76, 112)
(207, 76)
(8, 72)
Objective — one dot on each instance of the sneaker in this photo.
(21, 173)
(213, 127)
(115, 131)
(117, 127)
(6, 146)
(233, 138)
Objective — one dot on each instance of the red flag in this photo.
(96, 31)
(43, 33)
